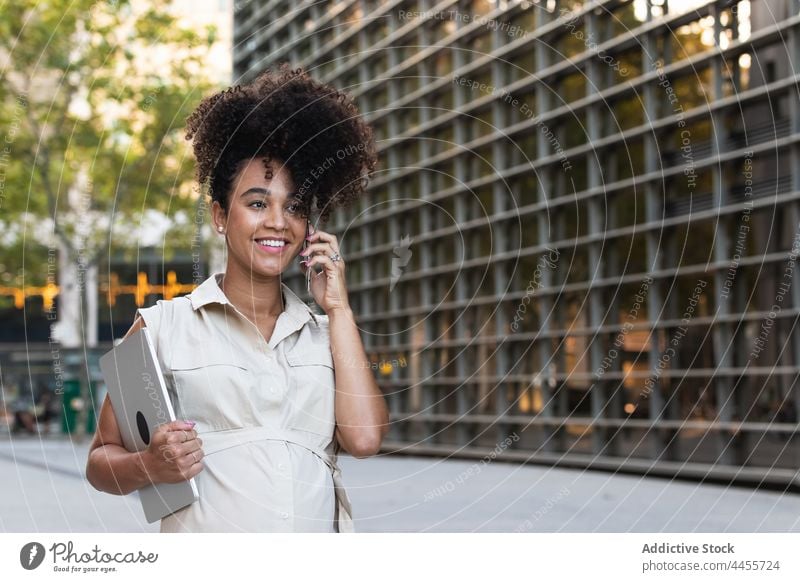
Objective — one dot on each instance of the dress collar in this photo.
(209, 291)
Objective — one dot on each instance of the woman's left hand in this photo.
(328, 286)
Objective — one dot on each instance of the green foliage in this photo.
(107, 88)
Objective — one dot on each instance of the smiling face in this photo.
(265, 226)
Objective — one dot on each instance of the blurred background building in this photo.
(582, 233)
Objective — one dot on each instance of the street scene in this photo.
(477, 266)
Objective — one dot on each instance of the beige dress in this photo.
(264, 410)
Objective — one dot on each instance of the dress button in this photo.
(281, 466)
(284, 515)
(272, 389)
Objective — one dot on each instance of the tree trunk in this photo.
(88, 332)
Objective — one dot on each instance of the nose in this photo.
(275, 218)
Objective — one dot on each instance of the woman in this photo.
(249, 366)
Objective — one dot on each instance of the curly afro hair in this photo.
(287, 116)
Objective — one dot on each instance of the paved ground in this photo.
(43, 489)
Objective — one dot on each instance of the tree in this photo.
(93, 96)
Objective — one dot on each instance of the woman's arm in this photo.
(362, 417)
(111, 468)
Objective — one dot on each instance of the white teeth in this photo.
(271, 243)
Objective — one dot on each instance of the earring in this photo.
(219, 228)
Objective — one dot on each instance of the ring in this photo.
(335, 257)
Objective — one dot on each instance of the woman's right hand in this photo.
(174, 454)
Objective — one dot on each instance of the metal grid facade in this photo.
(602, 208)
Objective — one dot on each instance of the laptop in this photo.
(141, 403)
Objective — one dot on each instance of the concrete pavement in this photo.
(43, 490)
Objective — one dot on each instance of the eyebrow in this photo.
(259, 190)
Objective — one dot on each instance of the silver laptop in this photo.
(141, 403)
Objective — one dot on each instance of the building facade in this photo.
(585, 225)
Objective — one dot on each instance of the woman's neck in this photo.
(255, 299)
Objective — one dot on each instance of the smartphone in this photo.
(308, 269)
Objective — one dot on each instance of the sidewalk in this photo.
(43, 489)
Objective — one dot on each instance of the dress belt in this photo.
(219, 440)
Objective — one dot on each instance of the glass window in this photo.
(480, 44)
(443, 62)
(526, 20)
(627, 113)
(442, 102)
